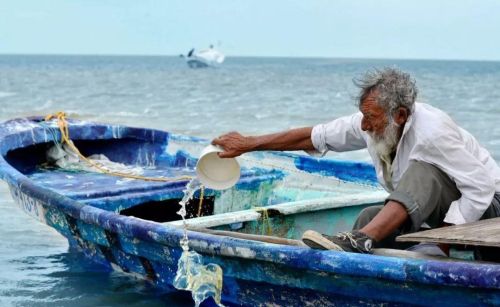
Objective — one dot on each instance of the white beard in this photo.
(385, 144)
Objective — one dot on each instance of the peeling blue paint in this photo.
(348, 170)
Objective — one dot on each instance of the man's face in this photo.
(374, 117)
(382, 129)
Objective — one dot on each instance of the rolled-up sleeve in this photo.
(341, 134)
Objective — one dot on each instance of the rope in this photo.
(202, 193)
(52, 131)
(63, 127)
(266, 224)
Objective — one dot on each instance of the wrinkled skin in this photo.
(375, 119)
(233, 143)
(374, 116)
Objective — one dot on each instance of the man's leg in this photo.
(426, 193)
(490, 253)
(366, 216)
(387, 221)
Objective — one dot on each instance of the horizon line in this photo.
(253, 56)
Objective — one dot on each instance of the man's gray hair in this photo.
(395, 89)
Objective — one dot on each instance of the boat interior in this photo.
(278, 195)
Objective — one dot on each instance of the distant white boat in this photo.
(204, 58)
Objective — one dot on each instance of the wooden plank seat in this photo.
(480, 233)
(288, 208)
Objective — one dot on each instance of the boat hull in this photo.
(247, 280)
(193, 63)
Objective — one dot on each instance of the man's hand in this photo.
(233, 143)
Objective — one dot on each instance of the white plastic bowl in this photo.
(215, 172)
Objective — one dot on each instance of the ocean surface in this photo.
(250, 95)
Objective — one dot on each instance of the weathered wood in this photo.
(218, 219)
(288, 208)
(481, 233)
(246, 236)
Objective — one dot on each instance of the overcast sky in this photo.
(424, 29)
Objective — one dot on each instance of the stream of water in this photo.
(203, 280)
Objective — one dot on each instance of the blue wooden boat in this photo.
(251, 230)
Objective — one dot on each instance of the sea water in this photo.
(251, 95)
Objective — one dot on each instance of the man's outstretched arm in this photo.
(235, 144)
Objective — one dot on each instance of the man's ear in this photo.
(401, 115)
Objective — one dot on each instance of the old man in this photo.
(436, 173)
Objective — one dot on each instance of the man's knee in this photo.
(426, 192)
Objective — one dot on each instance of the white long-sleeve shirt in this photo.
(431, 136)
